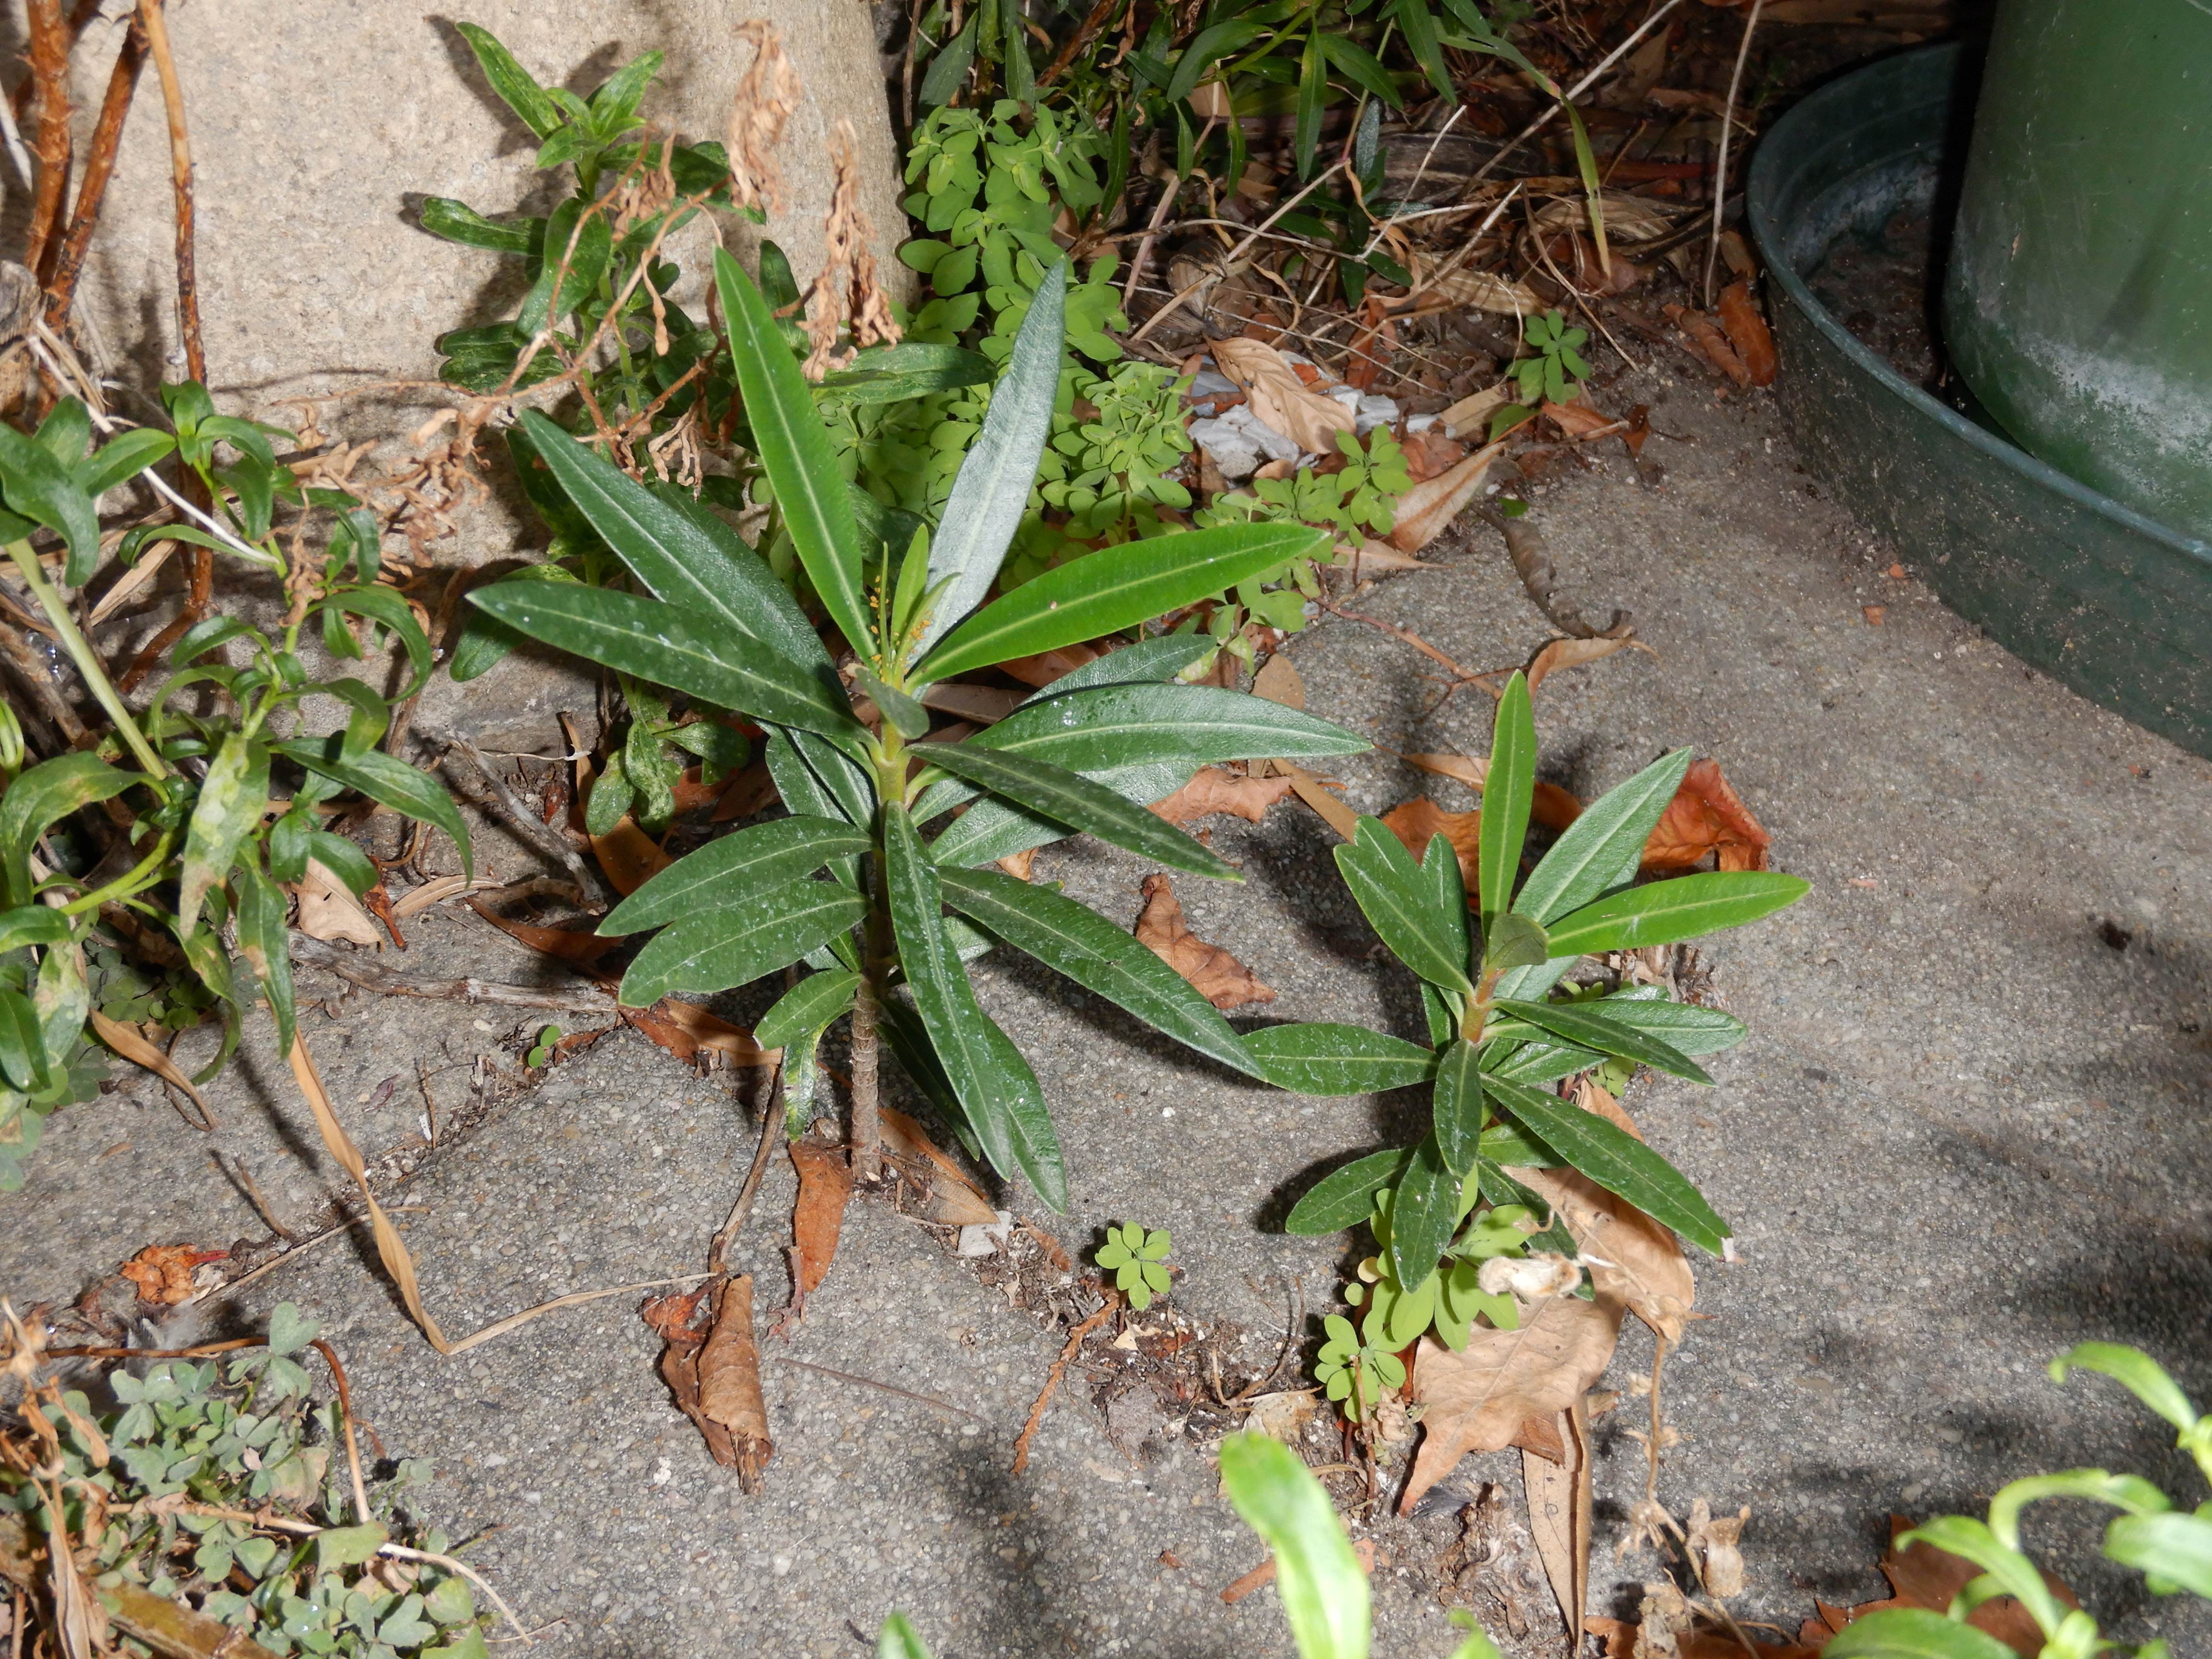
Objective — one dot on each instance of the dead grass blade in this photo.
(127, 1042)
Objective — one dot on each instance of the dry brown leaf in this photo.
(1472, 413)
(1553, 807)
(1559, 1494)
(1648, 1274)
(671, 1317)
(1437, 289)
(1705, 335)
(126, 1042)
(1338, 817)
(1423, 512)
(1747, 332)
(1020, 865)
(1717, 1542)
(132, 582)
(1371, 556)
(949, 1197)
(1925, 1577)
(1706, 817)
(1430, 453)
(437, 891)
(1475, 1399)
(568, 945)
(1212, 790)
(985, 705)
(1046, 666)
(825, 1184)
(163, 1272)
(1578, 420)
(1279, 398)
(1280, 682)
(685, 1029)
(730, 1385)
(1218, 976)
(629, 856)
(751, 791)
(1417, 822)
(1573, 653)
(328, 909)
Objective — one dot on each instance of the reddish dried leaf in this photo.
(1927, 1577)
(1704, 817)
(1431, 454)
(1639, 428)
(1747, 332)
(1417, 822)
(1573, 653)
(1218, 976)
(948, 1196)
(629, 856)
(1553, 807)
(1212, 790)
(730, 1386)
(671, 1316)
(568, 945)
(1423, 512)
(1578, 420)
(163, 1272)
(1046, 666)
(826, 1183)
(751, 791)
(1019, 865)
(684, 1029)
(1705, 337)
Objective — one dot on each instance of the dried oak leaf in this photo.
(825, 1184)
(1212, 790)
(1747, 332)
(1218, 976)
(1706, 816)
(1477, 1400)
(1925, 1577)
(163, 1272)
(1279, 396)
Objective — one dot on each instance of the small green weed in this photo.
(1137, 1257)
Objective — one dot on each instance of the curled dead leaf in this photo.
(328, 909)
(1279, 396)
(1706, 337)
(1747, 332)
(1578, 420)
(163, 1272)
(948, 1197)
(437, 891)
(568, 945)
(1423, 512)
(686, 1031)
(1212, 790)
(825, 1184)
(1716, 1542)
(1472, 413)
(1706, 817)
(730, 1385)
(1217, 976)
(126, 1042)
(1573, 653)
(1553, 807)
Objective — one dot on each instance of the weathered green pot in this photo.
(2078, 300)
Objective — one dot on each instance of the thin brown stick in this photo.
(1060, 1369)
(1234, 254)
(198, 1351)
(871, 1383)
(1406, 636)
(253, 1196)
(99, 168)
(1088, 31)
(49, 55)
(533, 828)
(155, 20)
(1721, 158)
(361, 1510)
(772, 1117)
(370, 977)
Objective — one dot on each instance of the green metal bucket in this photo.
(2091, 592)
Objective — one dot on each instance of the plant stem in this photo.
(876, 957)
(51, 601)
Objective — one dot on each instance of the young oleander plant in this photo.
(1502, 1028)
(2171, 1546)
(708, 617)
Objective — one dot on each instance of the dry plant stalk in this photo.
(766, 97)
(99, 168)
(49, 55)
(845, 234)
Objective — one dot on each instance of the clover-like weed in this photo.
(1137, 1257)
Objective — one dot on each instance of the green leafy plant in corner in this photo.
(712, 620)
(2171, 1546)
(1488, 964)
(1137, 1257)
(1554, 374)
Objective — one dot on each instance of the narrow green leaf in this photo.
(1146, 662)
(1613, 1158)
(376, 774)
(906, 715)
(1324, 1059)
(1584, 1023)
(2134, 1371)
(2174, 1547)
(898, 1640)
(1446, 899)
(1424, 1212)
(1313, 90)
(736, 943)
(1419, 24)
(992, 490)
(31, 924)
(679, 648)
(457, 222)
(948, 71)
(41, 796)
(729, 870)
(1114, 588)
(1507, 792)
(1318, 1580)
(1359, 66)
(515, 85)
(1972, 1540)
(40, 488)
(1394, 896)
(230, 803)
(807, 1006)
(22, 1050)
(1663, 912)
(1514, 941)
(122, 458)
(997, 1091)
(1913, 1633)
(267, 949)
(891, 373)
(1509, 1144)
(1206, 48)
(1538, 1062)
(1072, 940)
(994, 829)
(1345, 1198)
(1075, 800)
(793, 449)
(1683, 1026)
(1458, 1111)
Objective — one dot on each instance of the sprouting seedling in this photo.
(1137, 1257)
(542, 1051)
(1356, 1368)
(1556, 372)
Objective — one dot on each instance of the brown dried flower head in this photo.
(766, 97)
(845, 255)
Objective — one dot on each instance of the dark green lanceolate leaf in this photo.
(949, 69)
(1146, 662)
(2175, 1547)
(882, 526)
(1320, 1584)
(231, 799)
(457, 222)
(385, 606)
(40, 488)
(1424, 1209)
(998, 1092)
(41, 796)
(1313, 92)
(22, 1050)
(1447, 894)
(1419, 24)
(1663, 912)
(31, 924)
(806, 1008)
(906, 715)
(515, 85)
(1601, 848)
(1393, 894)
(1458, 1109)
(1442, 1021)
(992, 490)
(995, 829)
(1206, 48)
(1117, 587)
(1913, 1633)
(1514, 941)
(263, 942)
(1074, 800)
(1324, 1058)
(814, 777)
(729, 870)
(1345, 1198)
(679, 648)
(1526, 1062)
(343, 860)
(1507, 791)
(1582, 1022)
(793, 447)
(576, 252)
(1073, 940)
(913, 368)
(123, 457)
(1613, 1158)
(1683, 1026)
(381, 778)
(485, 641)
(736, 943)
(1511, 1144)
